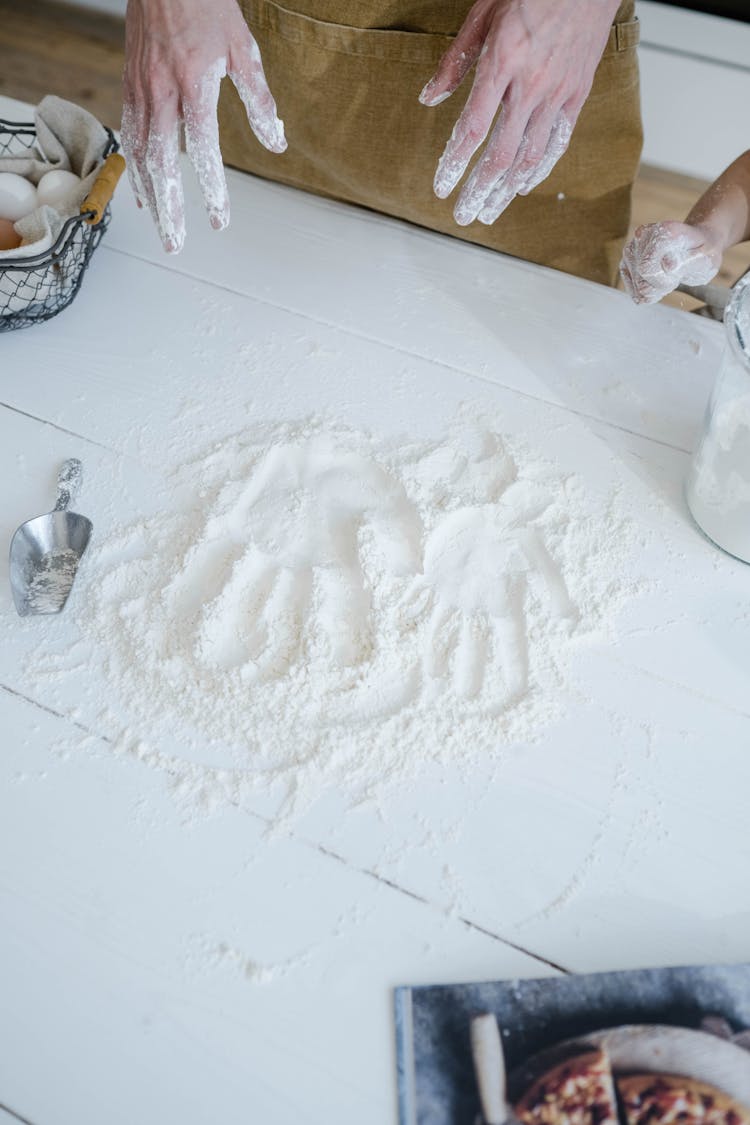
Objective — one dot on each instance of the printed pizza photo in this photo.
(631, 1075)
(579, 1091)
(666, 1099)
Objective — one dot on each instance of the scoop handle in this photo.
(69, 481)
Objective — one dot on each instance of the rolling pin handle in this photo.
(95, 203)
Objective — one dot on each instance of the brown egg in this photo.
(9, 240)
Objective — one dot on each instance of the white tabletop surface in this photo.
(618, 839)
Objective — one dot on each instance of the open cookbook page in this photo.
(651, 1047)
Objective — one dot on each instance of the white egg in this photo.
(56, 187)
(17, 196)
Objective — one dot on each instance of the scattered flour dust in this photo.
(206, 953)
(339, 613)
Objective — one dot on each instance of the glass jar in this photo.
(718, 483)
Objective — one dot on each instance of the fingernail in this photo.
(173, 245)
(464, 215)
(275, 137)
(425, 96)
(432, 101)
(219, 220)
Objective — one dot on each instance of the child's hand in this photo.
(662, 256)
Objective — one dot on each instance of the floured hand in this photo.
(662, 256)
(177, 52)
(536, 59)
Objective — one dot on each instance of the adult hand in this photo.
(177, 52)
(662, 256)
(537, 59)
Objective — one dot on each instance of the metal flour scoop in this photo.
(45, 552)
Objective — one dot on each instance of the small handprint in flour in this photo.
(281, 562)
(482, 564)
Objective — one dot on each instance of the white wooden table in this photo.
(619, 839)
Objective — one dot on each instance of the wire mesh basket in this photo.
(38, 287)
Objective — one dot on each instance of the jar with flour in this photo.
(718, 484)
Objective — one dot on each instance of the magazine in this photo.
(650, 1047)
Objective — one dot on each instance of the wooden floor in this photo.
(50, 47)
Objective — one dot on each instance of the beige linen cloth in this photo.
(69, 138)
(346, 75)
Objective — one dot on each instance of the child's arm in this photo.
(661, 256)
(724, 209)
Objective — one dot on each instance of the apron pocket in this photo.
(391, 46)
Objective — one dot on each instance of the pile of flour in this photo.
(334, 612)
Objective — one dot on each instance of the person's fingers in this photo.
(246, 71)
(136, 183)
(471, 129)
(627, 280)
(455, 63)
(661, 256)
(202, 144)
(531, 151)
(504, 192)
(162, 165)
(492, 171)
(132, 127)
(133, 138)
(557, 144)
(636, 285)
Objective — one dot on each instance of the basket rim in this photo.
(28, 128)
(18, 126)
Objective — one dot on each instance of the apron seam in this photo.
(272, 17)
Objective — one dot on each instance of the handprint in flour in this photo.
(482, 565)
(280, 561)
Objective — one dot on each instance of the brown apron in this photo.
(347, 93)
